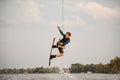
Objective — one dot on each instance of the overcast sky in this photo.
(27, 28)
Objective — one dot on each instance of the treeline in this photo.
(30, 70)
(112, 67)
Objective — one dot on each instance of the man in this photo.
(61, 44)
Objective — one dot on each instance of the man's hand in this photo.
(59, 43)
(58, 27)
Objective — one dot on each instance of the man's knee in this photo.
(61, 54)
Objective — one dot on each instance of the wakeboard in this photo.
(51, 50)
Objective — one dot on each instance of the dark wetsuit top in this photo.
(64, 40)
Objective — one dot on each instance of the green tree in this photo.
(115, 65)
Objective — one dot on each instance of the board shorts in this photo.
(60, 49)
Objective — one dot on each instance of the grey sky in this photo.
(27, 28)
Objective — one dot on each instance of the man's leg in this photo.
(56, 46)
(61, 52)
(58, 55)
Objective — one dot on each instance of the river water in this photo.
(60, 76)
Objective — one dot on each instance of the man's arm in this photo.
(60, 31)
(66, 42)
(63, 44)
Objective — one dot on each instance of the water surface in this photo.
(60, 76)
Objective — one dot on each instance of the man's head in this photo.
(68, 34)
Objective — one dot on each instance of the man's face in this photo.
(67, 36)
